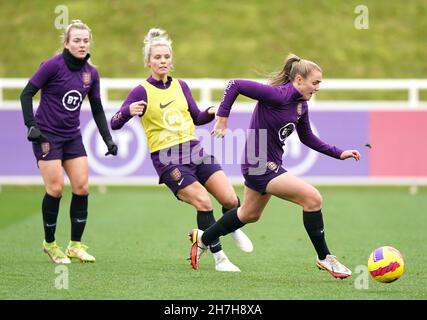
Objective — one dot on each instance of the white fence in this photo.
(206, 86)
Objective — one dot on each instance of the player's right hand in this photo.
(137, 108)
(34, 135)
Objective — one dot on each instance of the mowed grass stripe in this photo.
(138, 235)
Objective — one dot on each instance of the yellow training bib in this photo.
(167, 121)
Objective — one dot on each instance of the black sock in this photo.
(224, 209)
(204, 220)
(78, 216)
(313, 223)
(50, 208)
(229, 222)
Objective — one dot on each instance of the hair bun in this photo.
(76, 21)
(154, 33)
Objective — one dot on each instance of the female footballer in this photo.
(281, 109)
(169, 114)
(64, 81)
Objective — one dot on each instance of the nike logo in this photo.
(50, 225)
(165, 105)
(180, 181)
(80, 220)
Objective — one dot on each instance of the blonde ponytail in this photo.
(293, 65)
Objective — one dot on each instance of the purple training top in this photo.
(62, 94)
(199, 118)
(279, 111)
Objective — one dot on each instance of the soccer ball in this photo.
(386, 264)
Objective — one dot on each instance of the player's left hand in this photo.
(220, 128)
(350, 154)
(212, 110)
(112, 148)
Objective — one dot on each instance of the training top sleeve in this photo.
(251, 89)
(199, 117)
(94, 92)
(27, 104)
(122, 116)
(99, 117)
(308, 138)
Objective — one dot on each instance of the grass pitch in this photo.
(139, 237)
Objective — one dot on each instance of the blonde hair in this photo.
(75, 24)
(293, 65)
(155, 37)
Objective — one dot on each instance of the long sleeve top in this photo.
(278, 112)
